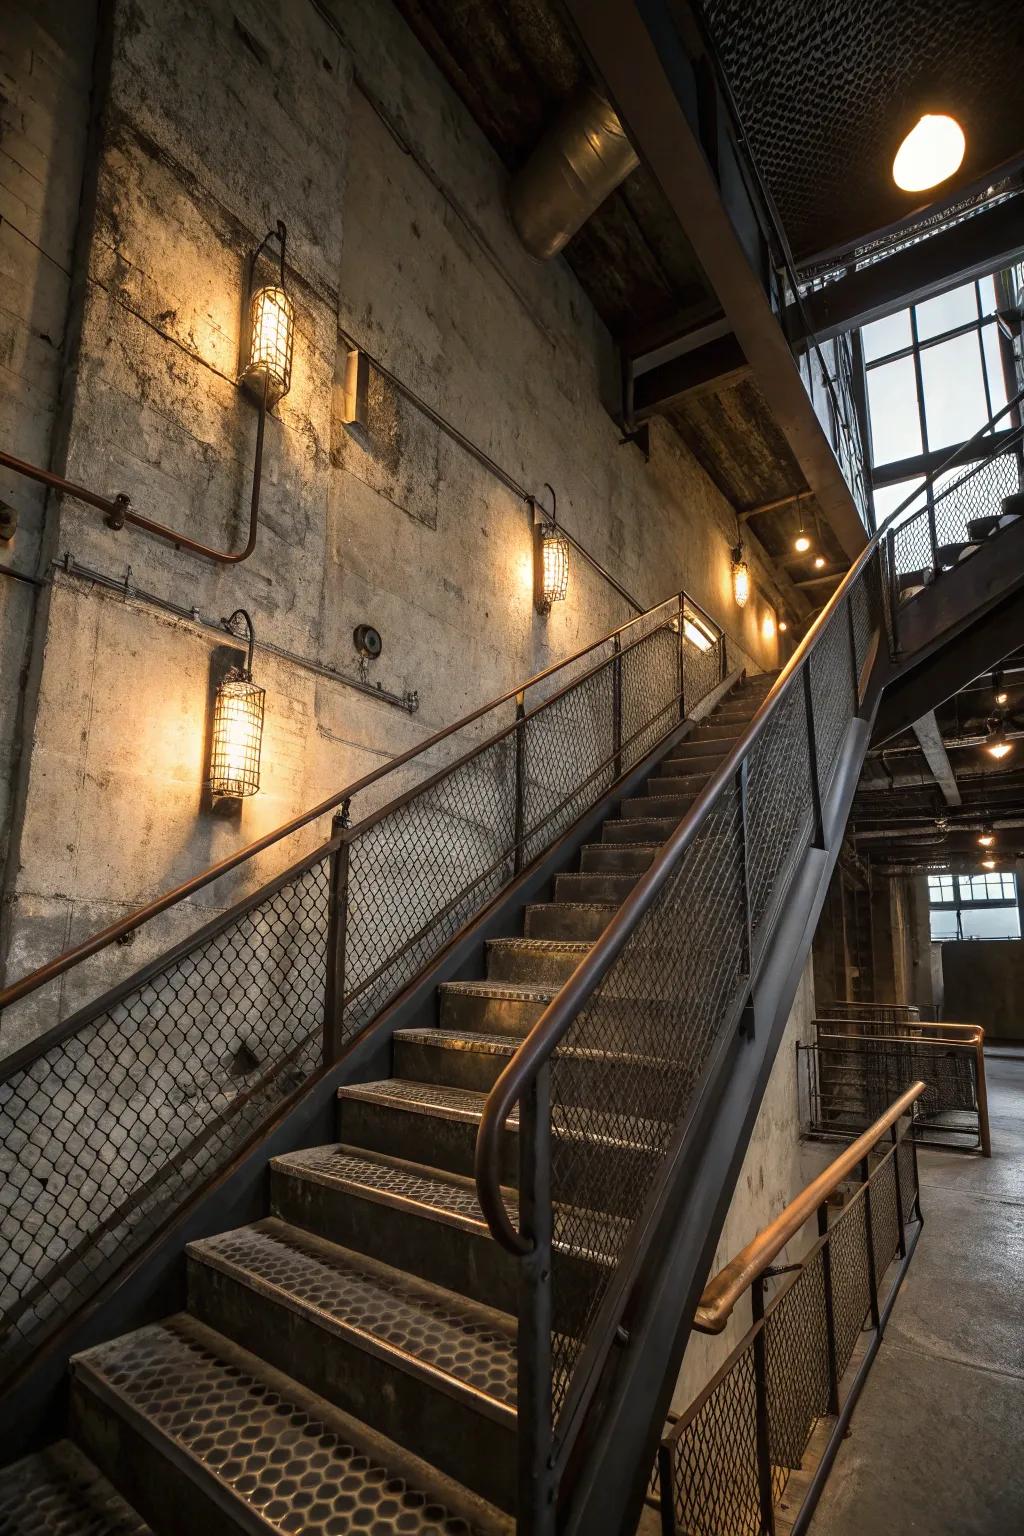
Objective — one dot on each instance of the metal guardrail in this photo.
(726, 1461)
(124, 1111)
(857, 1066)
(653, 1003)
(845, 1008)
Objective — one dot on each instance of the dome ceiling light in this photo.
(931, 152)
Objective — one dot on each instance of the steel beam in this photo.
(704, 370)
(655, 91)
(930, 741)
(972, 249)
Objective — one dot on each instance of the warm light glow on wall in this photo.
(697, 635)
(237, 735)
(932, 151)
(550, 560)
(768, 626)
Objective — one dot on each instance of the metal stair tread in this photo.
(502, 991)
(544, 946)
(447, 1197)
(507, 1045)
(249, 1414)
(439, 1099)
(59, 1492)
(459, 1344)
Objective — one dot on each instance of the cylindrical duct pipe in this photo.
(581, 159)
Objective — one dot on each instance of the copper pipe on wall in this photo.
(118, 509)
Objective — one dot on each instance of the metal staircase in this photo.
(503, 1110)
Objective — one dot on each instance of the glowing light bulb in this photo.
(988, 863)
(783, 626)
(986, 839)
(740, 581)
(931, 152)
(801, 543)
(552, 566)
(999, 749)
(819, 562)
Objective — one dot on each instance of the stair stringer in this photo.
(627, 1414)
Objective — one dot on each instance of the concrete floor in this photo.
(936, 1444)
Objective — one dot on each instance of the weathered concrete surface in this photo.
(983, 980)
(934, 1444)
(774, 1171)
(216, 122)
(46, 55)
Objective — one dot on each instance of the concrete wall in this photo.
(983, 981)
(215, 122)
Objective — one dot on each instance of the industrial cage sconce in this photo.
(740, 577)
(237, 735)
(550, 558)
(267, 372)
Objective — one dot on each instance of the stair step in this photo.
(651, 830)
(437, 1125)
(493, 1007)
(698, 748)
(657, 807)
(383, 1206)
(617, 858)
(465, 1059)
(578, 920)
(545, 962)
(682, 789)
(949, 555)
(716, 729)
(418, 1363)
(59, 1492)
(201, 1435)
(594, 887)
(695, 774)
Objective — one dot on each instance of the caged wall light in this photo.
(740, 577)
(237, 735)
(550, 560)
(271, 339)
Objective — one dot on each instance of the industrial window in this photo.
(973, 907)
(935, 373)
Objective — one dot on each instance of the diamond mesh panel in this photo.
(650, 693)
(832, 692)
(885, 1225)
(714, 1467)
(778, 804)
(796, 1367)
(568, 749)
(851, 1284)
(650, 1025)
(103, 1132)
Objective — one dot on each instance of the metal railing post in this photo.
(617, 708)
(830, 1313)
(682, 655)
(536, 1505)
(337, 930)
(869, 1238)
(981, 1093)
(818, 837)
(933, 538)
(761, 1425)
(518, 819)
(748, 919)
(894, 1132)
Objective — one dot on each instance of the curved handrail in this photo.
(136, 919)
(560, 1013)
(723, 1292)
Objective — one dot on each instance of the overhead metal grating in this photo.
(826, 90)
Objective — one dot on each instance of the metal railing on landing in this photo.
(856, 1066)
(726, 1461)
(114, 1118)
(610, 1076)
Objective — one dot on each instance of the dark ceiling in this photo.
(901, 815)
(827, 89)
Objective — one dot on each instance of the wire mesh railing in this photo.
(856, 1067)
(115, 1117)
(726, 1462)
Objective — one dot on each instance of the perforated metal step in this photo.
(59, 1492)
(273, 1456)
(427, 1330)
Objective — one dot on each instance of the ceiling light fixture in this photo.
(819, 562)
(801, 543)
(783, 626)
(997, 745)
(931, 152)
(986, 837)
(988, 863)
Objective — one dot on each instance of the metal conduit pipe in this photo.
(921, 834)
(582, 158)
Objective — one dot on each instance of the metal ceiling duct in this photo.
(579, 162)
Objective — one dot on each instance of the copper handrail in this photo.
(723, 1292)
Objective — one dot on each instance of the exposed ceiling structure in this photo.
(827, 90)
(926, 795)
